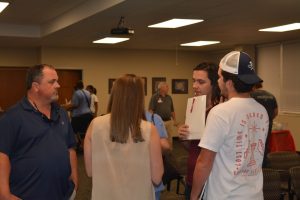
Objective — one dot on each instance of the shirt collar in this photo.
(29, 107)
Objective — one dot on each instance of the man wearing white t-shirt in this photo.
(233, 142)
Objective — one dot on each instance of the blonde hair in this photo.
(127, 108)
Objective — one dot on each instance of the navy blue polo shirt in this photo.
(38, 151)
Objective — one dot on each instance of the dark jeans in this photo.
(81, 123)
(187, 192)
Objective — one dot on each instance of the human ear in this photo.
(229, 83)
(35, 86)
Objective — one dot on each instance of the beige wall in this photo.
(18, 57)
(271, 70)
(99, 65)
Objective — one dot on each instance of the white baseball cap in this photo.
(240, 63)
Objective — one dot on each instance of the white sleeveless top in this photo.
(120, 171)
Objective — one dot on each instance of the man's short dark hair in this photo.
(79, 85)
(34, 74)
(239, 86)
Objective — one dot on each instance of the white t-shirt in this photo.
(236, 130)
(94, 99)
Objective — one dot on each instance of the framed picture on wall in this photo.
(145, 84)
(156, 81)
(110, 84)
(180, 86)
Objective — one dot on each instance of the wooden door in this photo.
(12, 84)
(67, 79)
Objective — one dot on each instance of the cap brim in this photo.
(250, 79)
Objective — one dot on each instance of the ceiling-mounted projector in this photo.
(121, 30)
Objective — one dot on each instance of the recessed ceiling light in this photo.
(110, 40)
(175, 23)
(283, 28)
(3, 5)
(200, 43)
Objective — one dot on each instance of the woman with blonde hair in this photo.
(121, 149)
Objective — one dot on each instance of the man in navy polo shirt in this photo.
(37, 159)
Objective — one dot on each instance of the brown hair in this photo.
(239, 85)
(127, 108)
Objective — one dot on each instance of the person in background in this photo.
(81, 114)
(205, 82)
(164, 143)
(233, 142)
(122, 150)
(162, 104)
(161, 129)
(94, 99)
(37, 156)
(268, 100)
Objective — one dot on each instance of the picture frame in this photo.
(180, 86)
(155, 82)
(145, 84)
(110, 84)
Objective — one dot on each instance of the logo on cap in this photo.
(240, 63)
(250, 66)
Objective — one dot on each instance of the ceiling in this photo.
(76, 23)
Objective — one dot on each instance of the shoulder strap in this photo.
(89, 103)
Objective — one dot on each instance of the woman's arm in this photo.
(156, 162)
(88, 151)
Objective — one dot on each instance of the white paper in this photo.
(195, 116)
(203, 190)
